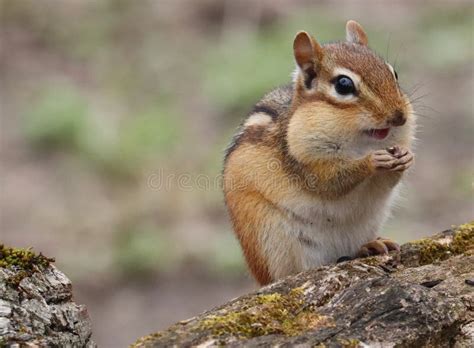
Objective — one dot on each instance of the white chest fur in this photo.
(322, 231)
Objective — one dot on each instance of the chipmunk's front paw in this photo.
(380, 246)
(395, 159)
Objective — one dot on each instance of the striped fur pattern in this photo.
(305, 182)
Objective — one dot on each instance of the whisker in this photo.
(426, 107)
(418, 98)
(415, 89)
(424, 116)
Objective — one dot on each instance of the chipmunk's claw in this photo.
(380, 246)
(390, 244)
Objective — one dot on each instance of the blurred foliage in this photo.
(149, 134)
(152, 132)
(61, 119)
(58, 119)
(462, 183)
(226, 257)
(239, 83)
(142, 250)
(449, 33)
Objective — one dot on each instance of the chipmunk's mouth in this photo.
(378, 133)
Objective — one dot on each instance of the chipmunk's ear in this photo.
(308, 55)
(355, 33)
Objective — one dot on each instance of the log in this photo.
(422, 296)
(36, 304)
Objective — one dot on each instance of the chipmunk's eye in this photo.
(396, 75)
(344, 85)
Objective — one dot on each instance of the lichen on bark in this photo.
(265, 314)
(442, 246)
(36, 306)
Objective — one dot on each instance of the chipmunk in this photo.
(312, 173)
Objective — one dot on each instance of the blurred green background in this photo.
(100, 99)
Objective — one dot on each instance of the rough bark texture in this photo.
(420, 297)
(36, 306)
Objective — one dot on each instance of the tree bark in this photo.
(36, 305)
(422, 296)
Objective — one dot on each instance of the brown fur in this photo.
(246, 207)
(268, 163)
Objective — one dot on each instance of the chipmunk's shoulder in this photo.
(275, 102)
(265, 113)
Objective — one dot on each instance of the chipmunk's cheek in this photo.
(318, 129)
(299, 135)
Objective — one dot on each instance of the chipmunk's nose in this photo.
(397, 119)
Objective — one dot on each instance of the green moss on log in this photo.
(265, 314)
(433, 250)
(23, 258)
(144, 341)
(284, 314)
(24, 261)
(349, 343)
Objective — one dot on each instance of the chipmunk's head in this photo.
(347, 98)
